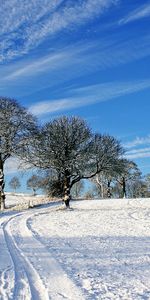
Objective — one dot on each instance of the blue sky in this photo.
(89, 58)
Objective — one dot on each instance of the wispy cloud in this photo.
(89, 95)
(53, 61)
(25, 25)
(138, 148)
(142, 150)
(138, 154)
(85, 58)
(45, 107)
(139, 13)
(138, 141)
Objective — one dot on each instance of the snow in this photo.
(99, 249)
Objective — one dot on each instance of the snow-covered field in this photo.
(96, 250)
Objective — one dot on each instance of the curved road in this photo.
(28, 269)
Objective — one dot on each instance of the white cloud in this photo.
(17, 13)
(57, 61)
(142, 12)
(137, 155)
(84, 58)
(13, 165)
(25, 24)
(44, 107)
(141, 150)
(37, 66)
(138, 141)
(134, 150)
(89, 95)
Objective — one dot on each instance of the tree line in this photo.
(65, 148)
(103, 187)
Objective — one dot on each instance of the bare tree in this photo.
(34, 183)
(14, 183)
(104, 179)
(130, 172)
(17, 126)
(68, 146)
(120, 179)
(137, 188)
(89, 195)
(147, 181)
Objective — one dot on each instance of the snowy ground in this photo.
(97, 250)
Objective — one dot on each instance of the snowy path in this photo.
(35, 274)
(99, 250)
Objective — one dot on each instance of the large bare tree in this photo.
(68, 146)
(16, 128)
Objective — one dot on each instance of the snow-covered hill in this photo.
(96, 250)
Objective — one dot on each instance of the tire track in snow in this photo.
(138, 212)
(20, 280)
(28, 284)
(140, 215)
(4, 284)
(59, 285)
(7, 274)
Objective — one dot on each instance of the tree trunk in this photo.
(2, 184)
(34, 192)
(100, 186)
(67, 189)
(102, 190)
(124, 187)
(108, 189)
(76, 191)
